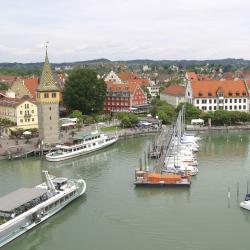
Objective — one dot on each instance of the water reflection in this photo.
(225, 144)
(78, 162)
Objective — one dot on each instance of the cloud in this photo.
(120, 30)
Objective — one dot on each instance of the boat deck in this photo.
(183, 182)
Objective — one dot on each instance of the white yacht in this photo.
(82, 144)
(25, 208)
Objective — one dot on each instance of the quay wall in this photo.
(217, 128)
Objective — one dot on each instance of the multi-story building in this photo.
(212, 95)
(173, 94)
(154, 90)
(25, 87)
(124, 97)
(23, 113)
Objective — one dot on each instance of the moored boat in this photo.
(82, 144)
(25, 208)
(246, 203)
(145, 178)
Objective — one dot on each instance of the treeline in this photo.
(224, 117)
(218, 117)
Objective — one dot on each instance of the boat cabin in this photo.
(247, 198)
(60, 183)
(20, 201)
(86, 137)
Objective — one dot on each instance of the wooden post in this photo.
(238, 187)
(247, 186)
(145, 158)
(228, 196)
(140, 164)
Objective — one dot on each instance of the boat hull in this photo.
(245, 205)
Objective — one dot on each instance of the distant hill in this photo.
(103, 61)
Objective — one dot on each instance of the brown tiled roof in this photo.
(230, 88)
(8, 78)
(13, 102)
(175, 90)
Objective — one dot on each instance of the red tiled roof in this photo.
(191, 75)
(121, 86)
(230, 88)
(125, 76)
(31, 84)
(175, 90)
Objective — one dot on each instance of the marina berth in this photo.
(82, 144)
(25, 208)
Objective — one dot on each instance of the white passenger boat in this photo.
(25, 208)
(82, 144)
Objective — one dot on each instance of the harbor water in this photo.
(115, 215)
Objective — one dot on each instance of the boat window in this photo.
(98, 136)
(84, 146)
(46, 209)
(57, 203)
(61, 200)
(93, 144)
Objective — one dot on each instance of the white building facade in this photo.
(213, 95)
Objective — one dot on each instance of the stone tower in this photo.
(48, 97)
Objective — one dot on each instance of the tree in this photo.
(163, 110)
(191, 112)
(84, 91)
(77, 114)
(4, 86)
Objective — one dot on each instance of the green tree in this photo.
(191, 112)
(77, 114)
(129, 120)
(84, 91)
(163, 110)
(4, 86)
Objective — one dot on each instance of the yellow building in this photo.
(23, 113)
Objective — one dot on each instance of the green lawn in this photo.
(110, 129)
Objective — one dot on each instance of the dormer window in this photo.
(230, 93)
(200, 94)
(237, 93)
(244, 93)
(220, 93)
(209, 94)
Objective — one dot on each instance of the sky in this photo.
(79, 30)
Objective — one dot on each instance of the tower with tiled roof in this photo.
(48, 97)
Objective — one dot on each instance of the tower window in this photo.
(50, 117)
(49, 108)
(53, 95)
(46, 95)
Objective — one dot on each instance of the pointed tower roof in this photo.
(47, 82)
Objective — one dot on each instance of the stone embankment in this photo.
(217, 128)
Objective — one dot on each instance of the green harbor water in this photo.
(114, 215)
